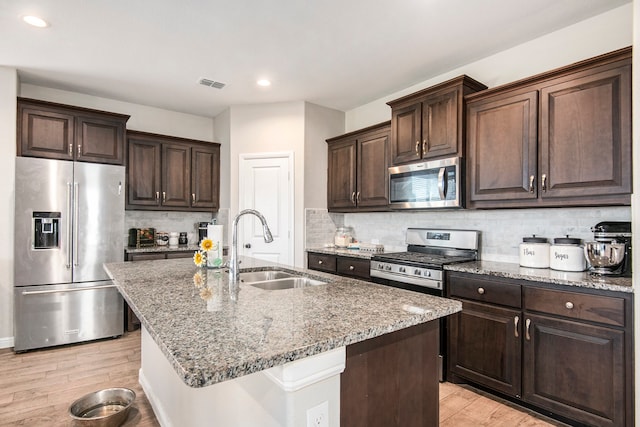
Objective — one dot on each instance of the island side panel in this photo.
(392, 380)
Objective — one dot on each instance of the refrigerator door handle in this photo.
(69, 210)
(55, 291)
(75, 224)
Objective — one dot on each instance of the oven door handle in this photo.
(442, 183)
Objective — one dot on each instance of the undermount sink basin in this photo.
(287, 283)
(261, 276)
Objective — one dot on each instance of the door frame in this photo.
(289, 155)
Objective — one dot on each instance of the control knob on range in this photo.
(427, 273)
(402, 270)
(380, 266)
(387, 267)
(417, 272)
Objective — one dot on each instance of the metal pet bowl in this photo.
(103, 408)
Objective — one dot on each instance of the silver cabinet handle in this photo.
(320, 262)
(164, 197)
(544, 182)
(418, 148)
(516, 320)
(54, 291)
(351, 267)
(76, 227)
(442, 183)
(527, 324)
(424, 147)
(193, 197)
(353, 198)
(481, 291)
(70, 149)
(69, 225)
(569, 305)
(79, 150)
(358, 197)
(531, 180)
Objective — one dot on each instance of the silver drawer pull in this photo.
(351, 267)
(516, 320)
(527, 326)
(481, 291)
(569, 305)
(320, 262)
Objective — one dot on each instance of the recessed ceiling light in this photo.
(35, 21)
(264, 82)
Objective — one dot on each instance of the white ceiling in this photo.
(336, 53)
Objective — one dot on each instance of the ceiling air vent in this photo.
(211, 83)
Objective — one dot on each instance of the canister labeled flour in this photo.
(534, 252)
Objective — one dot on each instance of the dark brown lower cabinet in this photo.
(392, 380)
(565, 352)
(340, 265)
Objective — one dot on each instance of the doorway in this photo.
(266, 184)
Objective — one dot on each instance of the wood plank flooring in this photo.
(37, 388)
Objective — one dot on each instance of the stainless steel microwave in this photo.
(425, 185)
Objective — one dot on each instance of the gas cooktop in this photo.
(418, 259)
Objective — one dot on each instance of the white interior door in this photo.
(266, 185)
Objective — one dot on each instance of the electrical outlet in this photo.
(318, 416)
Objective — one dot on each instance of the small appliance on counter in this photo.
(534, 252)
(142, 237)
(610, 253)
(162, 238)
(567, 254)
(202, 231)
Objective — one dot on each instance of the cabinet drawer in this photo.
(145, 257)
(322, 262)
(172, 255)
(485, 290)
(594, 308)
(354, 267)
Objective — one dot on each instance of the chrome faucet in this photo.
(234, 269)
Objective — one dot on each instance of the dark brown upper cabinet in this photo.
(63, 132)
(562, 138)
(430, 124)
(169, 173)
(357, 170)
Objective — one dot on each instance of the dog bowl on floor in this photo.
(103, 408)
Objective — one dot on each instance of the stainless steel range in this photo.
(421, 267)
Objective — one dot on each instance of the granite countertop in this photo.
(210, 333)
(354, 253)
(152, 249)
(567, 278)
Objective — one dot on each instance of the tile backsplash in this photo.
(501, 230)
(166, 221)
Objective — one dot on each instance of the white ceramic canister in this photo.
(567, 254)
(534, 252)
(174, 238)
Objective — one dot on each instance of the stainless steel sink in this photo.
(287, 283)
(261, 276)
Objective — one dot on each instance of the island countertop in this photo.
(211, 334)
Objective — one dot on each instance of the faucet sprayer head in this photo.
(268, 238)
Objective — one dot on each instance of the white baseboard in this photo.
(6, 342)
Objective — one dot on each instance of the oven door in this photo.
(434, 184)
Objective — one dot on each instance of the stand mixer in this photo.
(610, 253)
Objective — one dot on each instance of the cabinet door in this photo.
(485, 346)
(440, 125)
(502, 149)
(585, 140)
(100, 140)
(341, 181)
(406, 134)
(205, 177)
(44, 132)
(143, 173)
(372, 176)
(176, 174)
(574, 369)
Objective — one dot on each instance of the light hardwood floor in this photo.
(37, 388)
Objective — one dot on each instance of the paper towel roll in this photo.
(215, 233)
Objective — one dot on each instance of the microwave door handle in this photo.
(442, 183)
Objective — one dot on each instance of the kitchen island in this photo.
(212, 353)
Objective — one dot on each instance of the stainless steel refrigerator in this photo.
(69, 220)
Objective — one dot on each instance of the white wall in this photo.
(8, 93)
(603, 33)
(320, 124)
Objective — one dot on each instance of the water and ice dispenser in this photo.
(46, 230)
